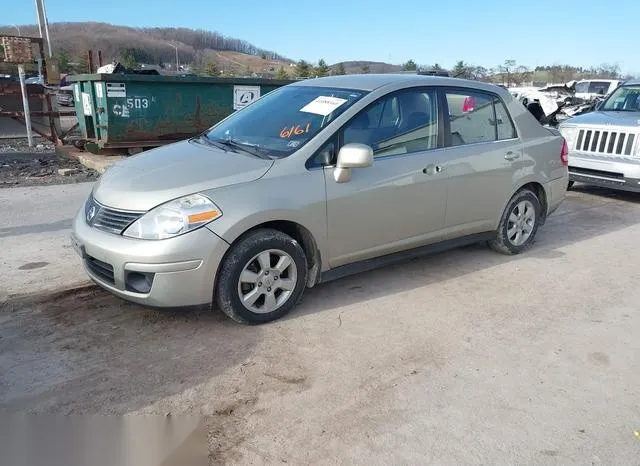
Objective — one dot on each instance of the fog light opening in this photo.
(139, 282)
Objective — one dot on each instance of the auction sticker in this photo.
(323, 105)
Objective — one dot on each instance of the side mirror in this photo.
(352, 156)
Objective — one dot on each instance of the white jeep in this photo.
(604, 145)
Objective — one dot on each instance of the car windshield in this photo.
(282, 121)
(623, 99)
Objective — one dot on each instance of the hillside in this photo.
(197, 48)
(352, 67)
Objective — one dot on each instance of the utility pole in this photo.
(175, 47)
(43, 23)
(25, 104)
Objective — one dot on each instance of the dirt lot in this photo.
(464, 357)
(21, 165)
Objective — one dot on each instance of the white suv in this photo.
(604, 146)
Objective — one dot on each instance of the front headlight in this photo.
(570, 133)
(174, 218)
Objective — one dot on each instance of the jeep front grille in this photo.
(605, 142)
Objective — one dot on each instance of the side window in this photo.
(599, 87)
(471, 117)
(506, 130)
(390, 113)
(397, 124)
(582, 87)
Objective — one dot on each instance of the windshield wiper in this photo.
(248, 148)
(203, 138)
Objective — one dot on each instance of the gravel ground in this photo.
(466, 357)
(21, 165)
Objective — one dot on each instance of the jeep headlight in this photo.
(570, 133)
(174, 218)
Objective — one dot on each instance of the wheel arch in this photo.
(539, 190)
(300, 234)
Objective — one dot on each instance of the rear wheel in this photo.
(570, 185)
(519, 224)
(262, 278)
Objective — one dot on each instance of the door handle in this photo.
(512, 155)
(432, 169)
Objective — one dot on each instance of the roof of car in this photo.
(369, 82)
(632, 82)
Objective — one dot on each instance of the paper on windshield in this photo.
(323, 105)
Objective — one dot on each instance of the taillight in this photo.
(564, 153)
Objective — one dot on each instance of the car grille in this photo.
(107, 219)
(101, 270)
(605, 142)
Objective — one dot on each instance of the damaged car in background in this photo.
(603, 145)
(553, 104)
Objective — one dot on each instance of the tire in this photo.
(570, 185)
(506, 242)
(248, 258)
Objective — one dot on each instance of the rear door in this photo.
(482, 156)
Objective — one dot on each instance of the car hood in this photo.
(608, 118)
(151, 178)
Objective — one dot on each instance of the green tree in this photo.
(409, 66)
(322, 69)
(365, 69)
(303, 69)
(461, 70)
(282, 73)
(82, 64)
(128, 59)
(211, 69)
(339, 69)
(62, 59)
(479, 73)
(436, 66)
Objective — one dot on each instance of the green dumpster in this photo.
(130, 112)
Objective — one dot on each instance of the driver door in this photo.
(399, 202)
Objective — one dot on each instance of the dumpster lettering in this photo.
(296, 130)
(120, 111)
(138, 102)
(86, 104)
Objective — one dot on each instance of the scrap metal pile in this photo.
(553, 104)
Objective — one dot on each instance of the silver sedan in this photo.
(316, 180)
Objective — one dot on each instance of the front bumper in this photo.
(614, 172)
(181, 270)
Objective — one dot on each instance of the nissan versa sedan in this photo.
(316, 180)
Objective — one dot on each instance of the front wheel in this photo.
(519, 224)
(262, 277)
